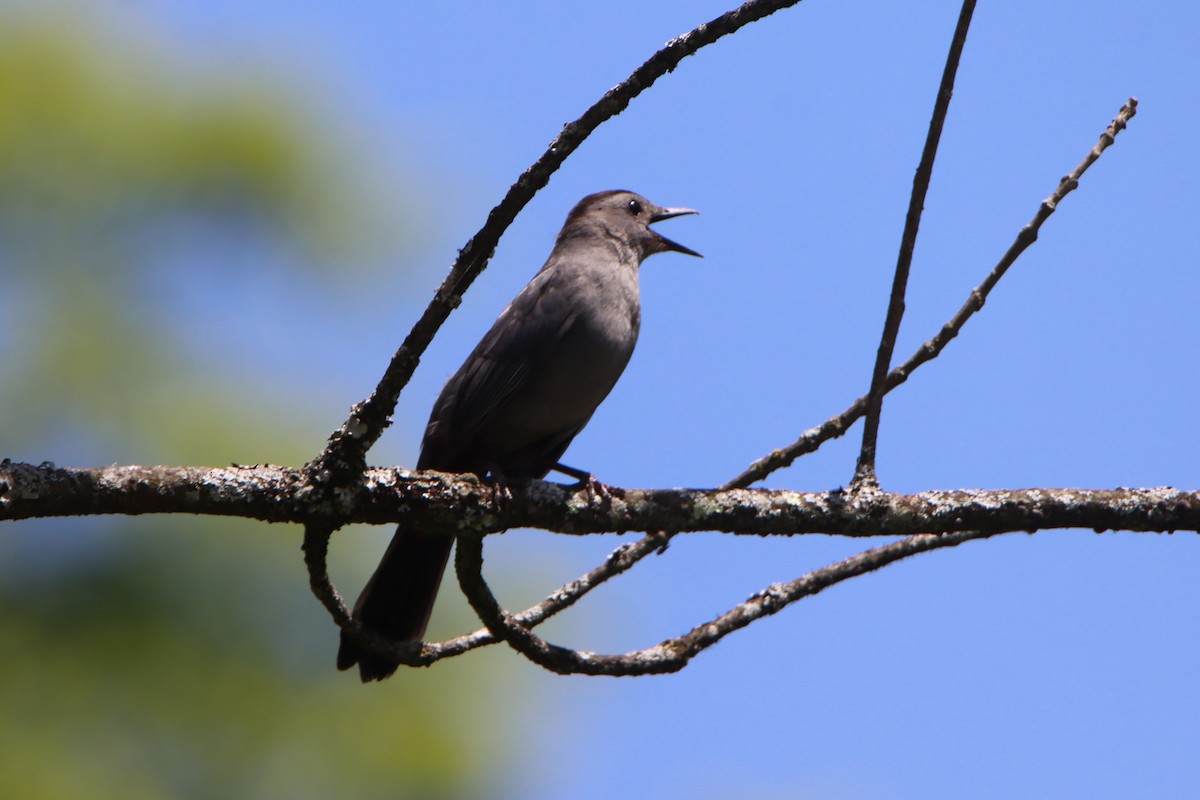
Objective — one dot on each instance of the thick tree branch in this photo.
(464, 505)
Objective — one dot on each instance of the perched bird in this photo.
(529, 386)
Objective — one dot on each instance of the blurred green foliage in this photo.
(154, 658)
(108, 149)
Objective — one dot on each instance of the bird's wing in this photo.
(521, 341)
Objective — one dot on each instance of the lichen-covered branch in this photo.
(463, 504)
(674, 654)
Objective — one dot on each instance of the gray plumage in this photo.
(527, 389)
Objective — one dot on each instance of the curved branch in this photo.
(468, 566)
(316, 550)
(778, 596)
(674, 654)
(346, 448)
(619, 561)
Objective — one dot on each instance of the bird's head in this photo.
(627, 216)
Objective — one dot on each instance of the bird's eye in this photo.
(635, 207)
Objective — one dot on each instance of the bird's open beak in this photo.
(667, 213)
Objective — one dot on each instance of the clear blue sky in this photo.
(1061, 665)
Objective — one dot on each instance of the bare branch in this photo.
(778, 596)
(468, 565)
(463, 505)
(620, 560)
(674, 654)
(347, 446)
(837, 425)
(316, 550)
(864, 473)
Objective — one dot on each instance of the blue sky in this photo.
(1059, 665)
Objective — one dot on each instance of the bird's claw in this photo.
(501, 490)
(595, 490)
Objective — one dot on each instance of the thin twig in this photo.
(674, 654)
(864, 473)
(316, 551)
(619, 561)
(776, 597)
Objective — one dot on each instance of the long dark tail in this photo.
(398, 599)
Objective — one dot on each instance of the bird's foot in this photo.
(596, 491)
(501, 491)
(587, 481)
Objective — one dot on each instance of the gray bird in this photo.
(529, 386)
